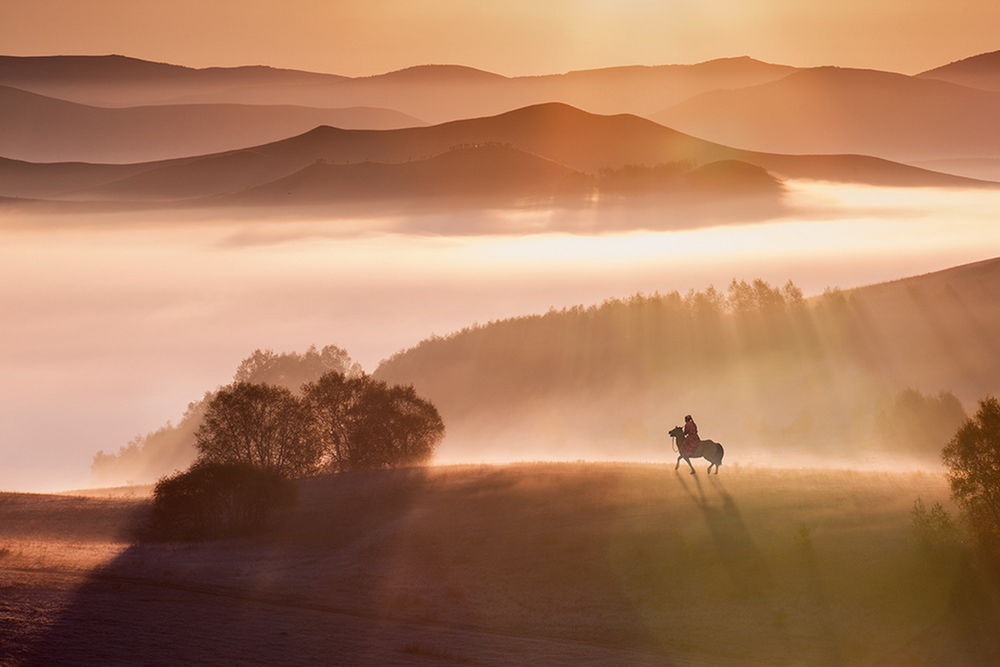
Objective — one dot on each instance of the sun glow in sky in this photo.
(514, 37)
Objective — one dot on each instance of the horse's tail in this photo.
(722, 453)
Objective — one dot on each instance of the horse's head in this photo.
(676, 432)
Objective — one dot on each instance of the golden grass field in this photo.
(548, 563)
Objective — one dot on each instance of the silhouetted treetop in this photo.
(365, 424)
(259, 425)
(170, 447)
(291, 370)
(973, 460)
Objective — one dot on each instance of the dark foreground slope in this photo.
(529, 564)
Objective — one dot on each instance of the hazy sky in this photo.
(510, 37)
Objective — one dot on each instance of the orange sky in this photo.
(509, 37)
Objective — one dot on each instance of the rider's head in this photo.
(687, 418)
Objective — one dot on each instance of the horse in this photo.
(710, 450)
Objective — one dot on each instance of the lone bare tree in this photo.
(973, 460)
(260, 425)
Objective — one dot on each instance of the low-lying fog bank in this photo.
(113, 324)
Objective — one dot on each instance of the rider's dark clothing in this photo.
(691, 439)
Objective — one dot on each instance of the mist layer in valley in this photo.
(138, 271)
(121, 322)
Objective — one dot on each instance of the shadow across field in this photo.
(748, 572)
(369, 568)
(244, 600)
(548, 564)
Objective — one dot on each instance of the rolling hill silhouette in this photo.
(980, 71)
(596, 381)
(501, 175)
(475, 173)
(984, 168)
(560, 133)
(22, 179)
(116, 80)
(45, 129)
(433, 92)
(836, 110)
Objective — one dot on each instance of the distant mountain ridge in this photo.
(557, 132)
(740, 102)
(37, 128)
(435, 93)
(980, 71)
(842, 110)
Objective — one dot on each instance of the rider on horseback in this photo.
(690, 444)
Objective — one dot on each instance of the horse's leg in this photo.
(678, 462)
(689, 464)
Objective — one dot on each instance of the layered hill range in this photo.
(38, 128)
(544, 154)
(435, 93)
(943, 118)
(838, 110)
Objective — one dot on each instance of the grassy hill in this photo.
(534, 563)
(758, 366)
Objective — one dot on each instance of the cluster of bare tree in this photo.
(254, 436)
(147, 457)
(339, 423)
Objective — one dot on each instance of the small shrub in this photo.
(934, 529)
(217, 500)
(803, 539)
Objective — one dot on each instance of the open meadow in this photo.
(556, 563)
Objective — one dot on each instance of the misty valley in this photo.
(433, 366)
